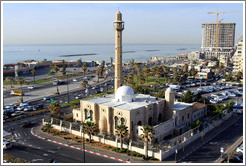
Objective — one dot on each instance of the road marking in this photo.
(51, 151)
(37, 159)
(45, 154)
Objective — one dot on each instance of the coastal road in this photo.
(31, 148)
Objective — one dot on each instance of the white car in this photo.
(7, 145)
(75, 80)
(20, 108)
(30, 87)
(16, 113)
(214, 101)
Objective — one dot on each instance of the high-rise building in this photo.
(118, 27)
(238, 59)
(225, 39)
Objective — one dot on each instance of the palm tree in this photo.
(21, 81)
(84, 68)
(238, 76)
(84, 83)
(146, 72)
(125, 78)
(55, 108)
(11, 81)
(79, 62)
(56, 68)
(98, 72)
(33, 71)
(102, 67)
(132, 62)
(111, 61)
(122, 132)
(185, 67)
(48, 127)
(63, 71)
(138, 68)
(90, 128)
(147, 136)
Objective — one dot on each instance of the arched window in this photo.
(139, 123)
(122, 121)
(150, 121)
(188, 116)
(91, 115)
(115, 121)
(182, 118)
(160, 118)
(86, 114)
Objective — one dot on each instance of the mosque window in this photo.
(77, 115)
(115, 121)
(122, 121)
(86, 114)
(182, 118)
(91, 115)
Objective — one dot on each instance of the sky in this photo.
(92, 23)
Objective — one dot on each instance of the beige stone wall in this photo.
(77, 115)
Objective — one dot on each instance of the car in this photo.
(26, 103)
(86, 90)
(16, 113)
(213, 101)
(7, 145)
(78, 97)
(38, 107)
(237, 111)
(29, 108)
(30, 87)
(75, 80)
(21, 108)
(47, 98)
(5, 117)
(26, 124)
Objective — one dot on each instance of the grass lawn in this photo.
(27, 83)
(151, 80)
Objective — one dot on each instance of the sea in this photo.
(92, 52)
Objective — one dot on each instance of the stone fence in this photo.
(161, 152)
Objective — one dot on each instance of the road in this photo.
(36, 150)
(208, 151)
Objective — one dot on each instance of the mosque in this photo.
(166, 116)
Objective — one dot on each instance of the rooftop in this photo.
(197, 106)
(180, 106)
(141, 100)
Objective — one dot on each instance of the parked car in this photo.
(75, 80)
(7, 145)
(31, 87)
(213, 101)
(16, 113)
(47, 98)
(78, 97)
(29, 108)
(26, 103)
(5, 117)
(38, 107)
(21, 108)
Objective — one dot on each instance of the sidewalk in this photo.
(90, 149)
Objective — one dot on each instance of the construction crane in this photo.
(217, 25)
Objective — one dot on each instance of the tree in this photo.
(185, 67)
(33, 71)
(84, 68)
(11, 81)
(238, 76)
(132, 62)
(228, 76)
(90, 128)
(125, 78)
(146, 72)
(55, 108)
(122, 132)
(63, 71)
(79, 62)
(195, 124)
(98, 72)
(148, 134)
(48, 127)
(111, 61)
(138, 68)
(187, 97)
(84, 83)
(56, 68)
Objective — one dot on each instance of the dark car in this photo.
(26, 124)
(38, 107)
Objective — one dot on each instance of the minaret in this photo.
(118, 27)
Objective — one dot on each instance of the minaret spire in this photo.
(118, 27)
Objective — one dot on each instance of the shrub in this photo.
(76, 137)
(87, 140)
(67, 137)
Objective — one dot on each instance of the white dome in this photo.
(125, 93)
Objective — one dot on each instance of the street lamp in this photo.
(176, 151)
(83, 128)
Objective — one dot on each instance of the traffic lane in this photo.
(210, 151)
(42, 150)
